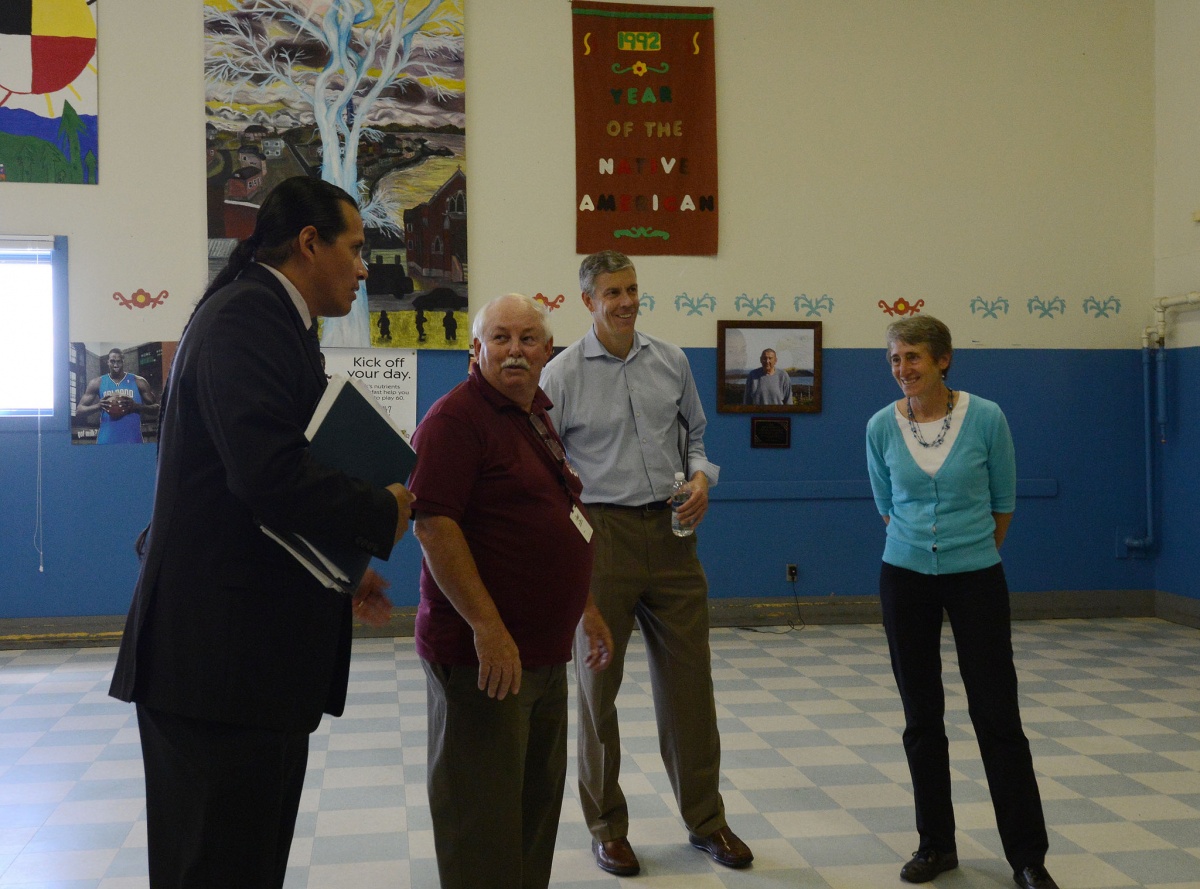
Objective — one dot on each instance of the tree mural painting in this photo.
(349, 90)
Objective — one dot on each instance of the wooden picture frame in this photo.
(742, 354)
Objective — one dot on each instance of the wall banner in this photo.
(645, 129)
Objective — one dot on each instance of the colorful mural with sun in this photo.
(48, 91)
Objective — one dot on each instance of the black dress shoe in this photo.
(724, 847)
(1034, 877)
(927, 864)
(616, 857)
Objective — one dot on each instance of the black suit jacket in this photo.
(224, 624)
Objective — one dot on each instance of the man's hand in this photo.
(116, 406)
(600, 644)
(370, 604)
(692, 512)
(404, 501)
(499, 661)
(454, 571)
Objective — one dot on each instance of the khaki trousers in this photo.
(644, 573)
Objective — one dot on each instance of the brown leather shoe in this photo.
(616, 857)
(724, 847)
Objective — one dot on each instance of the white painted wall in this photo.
(924, 149)
(1177, 162)
(143, 225)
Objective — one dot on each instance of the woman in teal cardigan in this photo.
(943, 474)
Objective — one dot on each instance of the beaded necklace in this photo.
(916, 430)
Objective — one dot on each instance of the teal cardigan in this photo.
(943, 524)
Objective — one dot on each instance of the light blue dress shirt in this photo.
(619, 419)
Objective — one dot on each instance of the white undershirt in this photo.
(931, 459)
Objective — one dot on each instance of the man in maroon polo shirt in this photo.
(504, 583)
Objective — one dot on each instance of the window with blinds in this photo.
(32, 324)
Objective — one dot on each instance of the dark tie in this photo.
(314, 349)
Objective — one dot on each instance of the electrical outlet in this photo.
(791, 573)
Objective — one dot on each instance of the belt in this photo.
(652, 506)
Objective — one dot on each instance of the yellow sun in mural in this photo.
(44, 46)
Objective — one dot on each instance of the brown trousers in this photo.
(645, 574)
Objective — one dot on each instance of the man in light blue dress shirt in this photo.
(627, 410)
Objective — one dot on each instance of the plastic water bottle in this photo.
(680, 492)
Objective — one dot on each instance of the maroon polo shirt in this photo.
(483, 464)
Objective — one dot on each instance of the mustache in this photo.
(515, 361)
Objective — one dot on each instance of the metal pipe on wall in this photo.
(1155, 398)
(1145, 544)
(1186, 302)
(1160, 374)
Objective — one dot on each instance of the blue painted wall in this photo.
(1075, 415)
(1179, 478)
(1078, 469)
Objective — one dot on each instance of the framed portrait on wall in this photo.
(766, 367)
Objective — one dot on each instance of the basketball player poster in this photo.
(116, 391)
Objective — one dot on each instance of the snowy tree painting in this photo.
(366, 95)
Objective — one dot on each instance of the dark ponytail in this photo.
(242, 256)
(293, 205)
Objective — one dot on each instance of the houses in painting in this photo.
(250, 156)
(244, 183)
(435, 232)
(237, 173)
(429, 252)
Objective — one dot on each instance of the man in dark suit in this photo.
(232, 650)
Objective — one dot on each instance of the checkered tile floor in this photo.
(814, 774)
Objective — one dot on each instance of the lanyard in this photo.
(551, 445)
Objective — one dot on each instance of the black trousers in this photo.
(221, 801)
(977, 605)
